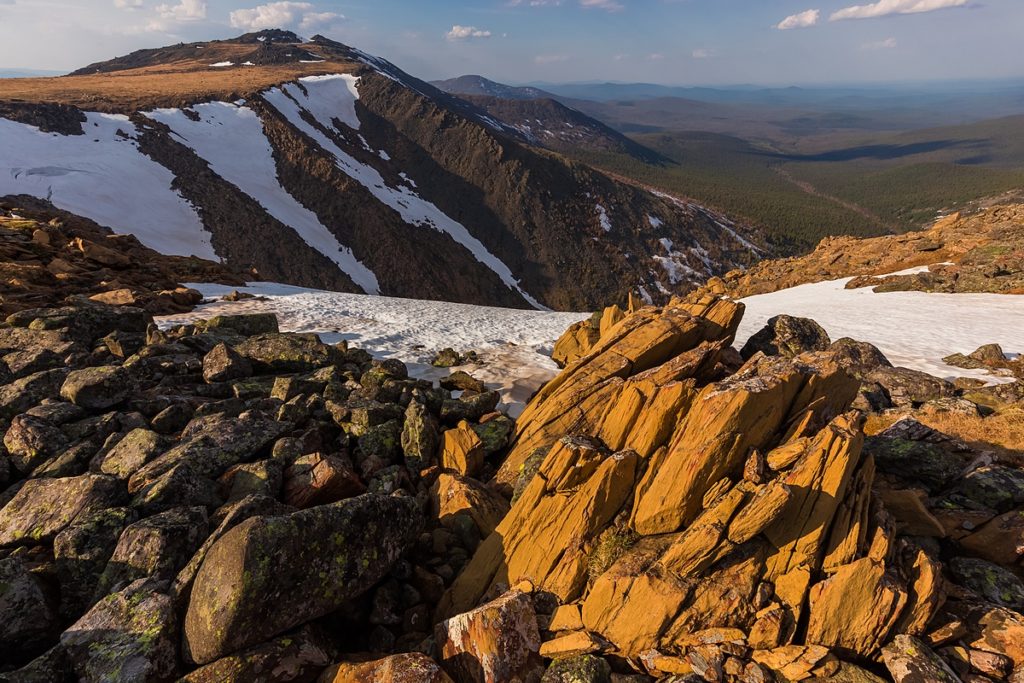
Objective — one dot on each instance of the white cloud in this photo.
(887, 44)
(608, 5)
(185, 10)
(285, 14)
(884, 8)
(127, 4)
(549, 59)
(467, 33)
(701, 53)
(801, 20)
(534, 3)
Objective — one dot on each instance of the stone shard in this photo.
(269, 574)
(411, 667)
(495, 643)
(578, 490)
(462, 450)
(909, 660)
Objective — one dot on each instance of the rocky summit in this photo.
(223, 501)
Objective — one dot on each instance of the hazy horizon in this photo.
(677, 43)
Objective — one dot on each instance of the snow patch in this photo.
(103, 176)
(219, 65)
(515, 345)
(327, 98)
(602, 216)
(655, 222)
(913, 329)
(231, 139)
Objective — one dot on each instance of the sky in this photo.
(674, 42)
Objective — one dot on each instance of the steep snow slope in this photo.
(102, 175)
(230, 138)
(514, 345)
(292, 101)
(913, 329)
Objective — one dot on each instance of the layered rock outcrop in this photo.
(691, 513)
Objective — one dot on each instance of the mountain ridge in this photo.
(358, 173)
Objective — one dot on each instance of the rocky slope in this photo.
(356, 177)
(479, 86)
(223, 502)
(981, 251)
(47, 254)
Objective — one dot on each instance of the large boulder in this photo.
(86, 321)
(21, 394)
(128, 637)
(97, 388)
(419, 437)
(269, 574)
(298, 657)
(211, 448)
(223, 364)
(910, 660)
(247, 324)
(131, 453)
(907, 387)
(154, 547)
(42, 508)
(31, 441)
(785, 335)
(279, 353)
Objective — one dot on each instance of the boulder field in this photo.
(226, 502)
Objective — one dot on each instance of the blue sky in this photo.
(681, 42)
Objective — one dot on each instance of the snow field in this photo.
(103, 176)
(913, 329)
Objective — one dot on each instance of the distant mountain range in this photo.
(316, 164)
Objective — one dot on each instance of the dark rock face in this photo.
(269, 574)
(26, 617)
(787, 336)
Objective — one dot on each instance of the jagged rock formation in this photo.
(358, 177)
(692, 517)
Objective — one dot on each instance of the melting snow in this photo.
(514, 345)
(230, 138)
(291, 102)
(223, 64)
(913, 329)
(655, 222)
(102, 176)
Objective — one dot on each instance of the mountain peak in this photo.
(269, 35)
